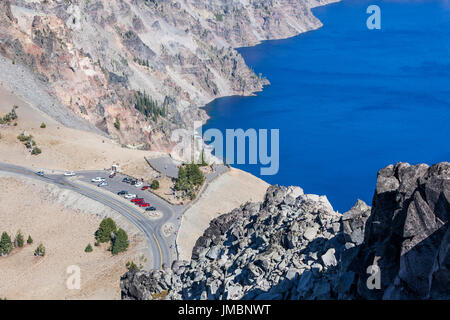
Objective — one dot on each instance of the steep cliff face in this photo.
(294, 246)
(94, 56)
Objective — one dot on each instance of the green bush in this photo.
(43, 125)
(155, 184)
(117, 124)
(131, 266)
(24, 138)
(19, 241)
(6, 245)
(36, 151)
(88, 248)
(120, 242)
(105, 231)
(29, 240)
(40, 250)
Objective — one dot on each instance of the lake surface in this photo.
(348, 101)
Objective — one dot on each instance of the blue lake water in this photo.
(348, 100)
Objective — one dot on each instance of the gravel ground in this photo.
(22, 81)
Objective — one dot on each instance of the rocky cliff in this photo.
(294, 246)
(98, 57)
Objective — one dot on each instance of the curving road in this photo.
(161, 252)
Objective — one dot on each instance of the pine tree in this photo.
(88, 248)
(29, 240)
(19, 241)
(6, 245)
(120, 243)
(40, 250)
(106, 229)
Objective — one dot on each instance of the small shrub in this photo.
(40, 251)
(117, 124)
(88, 248)
(155, 184)
(43, 125)
(160, 296)
(131, 266)
(29, 240)
(36, 151)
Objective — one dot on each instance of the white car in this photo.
(69, 173)
(102, 184)
(138, 184)
(130, 196)
(98, 179)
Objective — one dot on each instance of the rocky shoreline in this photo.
(295, 246)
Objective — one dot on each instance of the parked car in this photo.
(69, 173)
(133, 182)
(144, 205)
(98, 179)
(102, 184)
(121, 193)
(112, 175)
(130, 196)
(150, 209)
(145, 188)
(40, 173)
(126, 180)
(137, 199)
(138, 184)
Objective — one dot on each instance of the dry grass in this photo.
(65, 234)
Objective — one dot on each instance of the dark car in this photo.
(133, 182)
(121, 193)
(126, 180)
(40, 173)
(150, 209)
(112, 175)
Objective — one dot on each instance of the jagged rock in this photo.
(329, 259)
(213, 253)
(407, 231)
(294, 246)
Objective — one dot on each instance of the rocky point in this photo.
(295, 246)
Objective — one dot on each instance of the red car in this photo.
(112, 175)
(145, 188)
(144, 205)
(137, 200)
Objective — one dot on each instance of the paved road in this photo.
(160, 252)
(162, 249)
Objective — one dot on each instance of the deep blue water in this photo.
(348, 100)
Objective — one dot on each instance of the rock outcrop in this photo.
(295, 246)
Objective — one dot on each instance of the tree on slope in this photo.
(120, 243)
(6, 245)
(106, 230)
